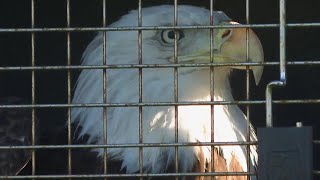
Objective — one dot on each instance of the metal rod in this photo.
(248, 87)
(135, 145)
(212, 87)
(140, 88)
(135, 28)
(33, 89)
(129, 145)
(176, 90)
(104, 86)
(127, 66)
(69, 89)
(283, 76)
(128, 175)
(283, 79)
(189, 103)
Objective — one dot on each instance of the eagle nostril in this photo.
(215, 50)
(226, 34)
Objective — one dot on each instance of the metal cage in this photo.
(46, 104)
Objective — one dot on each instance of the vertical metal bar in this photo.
(104, 79)
(140, 88)
(269, 122)
(248, 87)
(283, 25)
(33, 88)
(69, 88)
(175, 71)
(212, 86)
(283, 79)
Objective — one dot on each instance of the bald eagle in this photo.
(158, 122)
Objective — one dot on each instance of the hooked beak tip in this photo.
(257, 73)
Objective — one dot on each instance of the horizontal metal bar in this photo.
(135, 145)
(132, 28)
(128, 66)
(130, 145)
(302, 25)
(91, 105)
(316, 173)
(316, 141)
(128, 175)
(86, 176)
(136, 28)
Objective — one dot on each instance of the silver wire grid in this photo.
(282, 26)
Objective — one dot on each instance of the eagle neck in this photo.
(222, 88)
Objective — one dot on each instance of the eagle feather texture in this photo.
(158, 122)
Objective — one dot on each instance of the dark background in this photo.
(51, 86)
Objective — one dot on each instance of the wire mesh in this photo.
(140, 66)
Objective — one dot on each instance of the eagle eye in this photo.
(167, 36)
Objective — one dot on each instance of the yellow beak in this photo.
(235, 49)
(236, 45)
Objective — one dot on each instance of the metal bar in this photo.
(283, 76)
(135, 145)
(127, 66)
(212, 87)
(69, 89)
(140, 88)
(33, 89)
(104, 87)
(130, 145)
(283, 79)
(190, 103)
(128, 175)
(248, 87)
(176, 95)
(134, 28)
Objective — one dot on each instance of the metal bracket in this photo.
(284, 153)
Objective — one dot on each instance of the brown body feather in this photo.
(219, 165)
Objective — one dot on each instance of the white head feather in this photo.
(158, 86)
